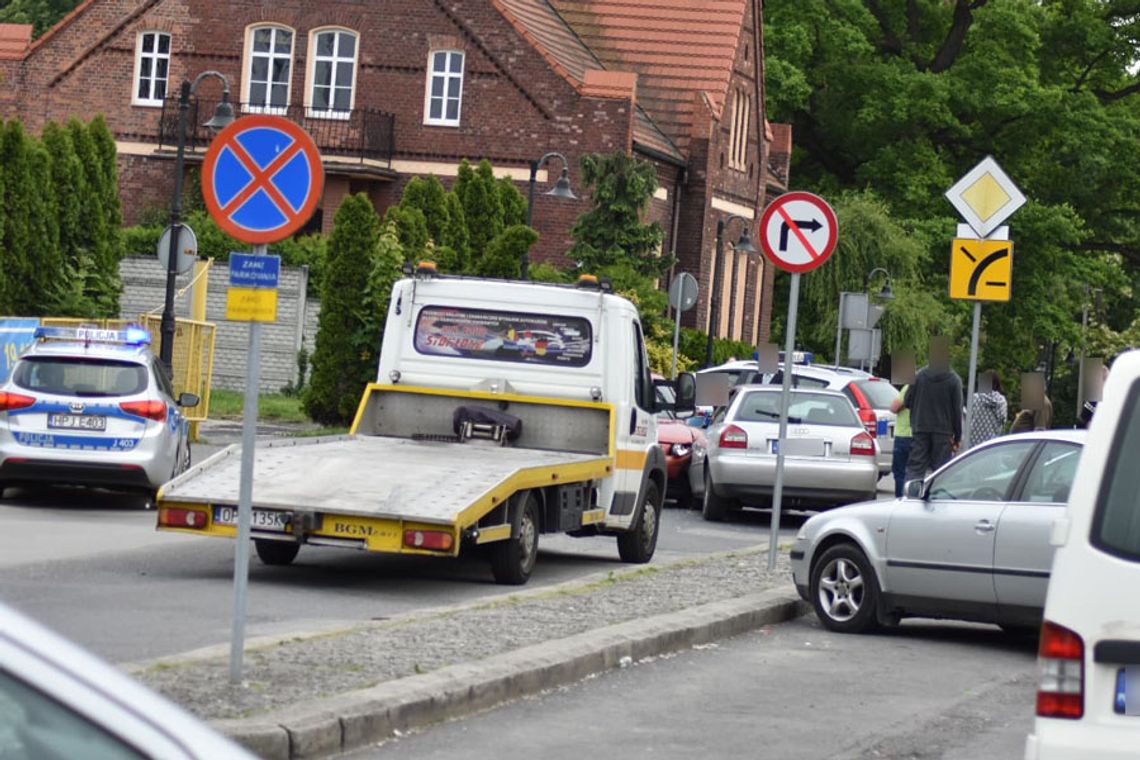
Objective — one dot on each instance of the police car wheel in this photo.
(276, 552)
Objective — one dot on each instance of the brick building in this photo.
(410, 87)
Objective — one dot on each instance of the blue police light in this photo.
(137, 336)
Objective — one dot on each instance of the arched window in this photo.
(444, 88)
(152, 68)
(268, 68)
(332, 73)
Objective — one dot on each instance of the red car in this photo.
(680, 441)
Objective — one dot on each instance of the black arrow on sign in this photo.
(977, 275)
(812, 225)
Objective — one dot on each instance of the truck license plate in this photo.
(261, 519)
(77, 421)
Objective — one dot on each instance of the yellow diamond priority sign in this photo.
(981, 270)
(985, 197)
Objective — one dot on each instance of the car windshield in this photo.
(879, 392)
(1116, 523)
(80, 376)
(803, 408)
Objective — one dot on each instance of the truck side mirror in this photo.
(686, 391)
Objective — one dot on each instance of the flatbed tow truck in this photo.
(502, 410)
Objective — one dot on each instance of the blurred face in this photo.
(939, 352)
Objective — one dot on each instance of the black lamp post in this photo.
(745, 245)
(223, 116)
(885, 294)
(561, 189)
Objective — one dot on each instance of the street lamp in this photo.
(561, 189)
(744, 244)
(223, 116)
(885, 294)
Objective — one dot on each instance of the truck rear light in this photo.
(870, 421)
(733, 437)
(1061, 673)
(12, 401)
(173, 517)
(436, 540)
(151, 410)
(863, 444)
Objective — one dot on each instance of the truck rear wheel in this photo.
(513, 560)
(637, 546)
(276, 552)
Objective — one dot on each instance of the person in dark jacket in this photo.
(935, 403)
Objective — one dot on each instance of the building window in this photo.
(445, 88)
(152, 67)
(738, 137)
(269, 69)
(332, 73)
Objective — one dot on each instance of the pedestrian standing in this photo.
(935, 404)
(902, 441)
(990, 411)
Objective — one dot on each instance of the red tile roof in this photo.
(14, 40)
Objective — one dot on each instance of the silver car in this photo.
(969, 542)
(829, 456)
(92, 408)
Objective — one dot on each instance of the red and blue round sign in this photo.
(262, 178)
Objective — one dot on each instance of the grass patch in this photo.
(227, 405)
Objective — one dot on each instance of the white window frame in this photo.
(154, 57)
(447, 76)
(311, 73)
(247, 69)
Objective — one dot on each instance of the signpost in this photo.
(798, 232)
(262, 179)
(187, 248)
(981, 269)
(683, 293)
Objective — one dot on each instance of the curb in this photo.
(357, 719)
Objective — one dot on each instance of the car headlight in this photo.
(681, 449)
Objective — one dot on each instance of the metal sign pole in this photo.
(839, 328)
(973, 373)
(676, 342)
(245, 492)
(785, 394)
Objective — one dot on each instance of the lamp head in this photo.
(223, 114)
(886, 294)
(561, 188)
(744, 245)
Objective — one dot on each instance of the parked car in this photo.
(1088, 697)
(969, 542)
(92, 407)
(59, 702)
(829, 458)
(684, 446)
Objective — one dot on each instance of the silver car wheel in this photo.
(841, 589)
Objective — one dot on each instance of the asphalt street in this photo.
(91, 565)
(936, 691)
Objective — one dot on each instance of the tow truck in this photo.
(501, 410)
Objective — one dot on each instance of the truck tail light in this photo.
(172, 517)
(12, 401)
(1061, 673)
(733, 437)
(863, 444)
(870, 421)
(151, 410)
(436, 540)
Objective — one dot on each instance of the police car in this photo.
(92, 407)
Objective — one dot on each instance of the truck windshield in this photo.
(1116, 523)
(504, 336)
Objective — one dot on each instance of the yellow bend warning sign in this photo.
(981, 270)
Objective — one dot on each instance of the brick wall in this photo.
(144, 289)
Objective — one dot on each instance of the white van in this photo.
(1088, 698)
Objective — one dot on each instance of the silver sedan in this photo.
(970, 542)
(829, 456)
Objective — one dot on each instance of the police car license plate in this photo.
(77, 421)
(261, 519)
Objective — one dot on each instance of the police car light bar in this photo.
(798, 357)
(132, 336)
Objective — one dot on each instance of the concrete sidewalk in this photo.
(312, 695)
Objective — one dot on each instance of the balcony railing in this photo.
(360, 134)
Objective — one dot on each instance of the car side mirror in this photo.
(915, 489)
(686, 393)
(189, 400)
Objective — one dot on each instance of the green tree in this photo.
(412, 229)
(30, 233)
(427, 195)
(42, 14)
(612, 231)
(455, 235)
(513, 202)
(344, 359)
(386, 271)
(482, 207)
(109, 248)
(503, 258)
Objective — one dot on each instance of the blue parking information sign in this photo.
(249, 270)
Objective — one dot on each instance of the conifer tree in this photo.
(109, 249)
(482, 209)
(504, 254)
(427, 195)
(344, 359)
